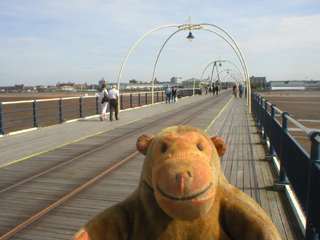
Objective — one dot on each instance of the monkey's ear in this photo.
(143, 143)
(220, 145)
(81, 235)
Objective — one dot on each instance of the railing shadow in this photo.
(298, 169)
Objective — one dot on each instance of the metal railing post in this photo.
(271, 153)
(260, 115)
(265, 137)
(139, 101)
(121, 101)
(130, 100)
(60, 111)
(35, 124)
(312, 212)
(258, 111)
(1, 120)
(97, 104)
(80, 107)
(282, 181)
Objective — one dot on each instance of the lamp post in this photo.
(191, 25)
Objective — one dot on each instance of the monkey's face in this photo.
(184, 169)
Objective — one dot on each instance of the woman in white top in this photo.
(104, 105)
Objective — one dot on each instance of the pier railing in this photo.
(297, 167)
(28, 114)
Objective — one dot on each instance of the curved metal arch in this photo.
(245, 63)
(148, 33)
(238, 74)
(229, 75)
(242, 61)
(210, 30)
(156, 63)
(235, 80)
(209, 63)
(239, 57)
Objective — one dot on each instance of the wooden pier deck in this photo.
(30, 153)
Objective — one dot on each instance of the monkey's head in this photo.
(182, 166)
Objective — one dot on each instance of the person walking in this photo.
(217, 89)
(174, 94)
(240, 90)
(234, 91)
(104, 102)
(113, 98)
(168, 92)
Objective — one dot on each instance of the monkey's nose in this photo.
(183, 175)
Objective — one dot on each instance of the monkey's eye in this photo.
(200, 147)
(164, 148)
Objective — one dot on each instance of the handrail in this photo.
(58, 110)
(297, 168)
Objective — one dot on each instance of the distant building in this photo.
(175, 80)
(19, 87)
(133, 81)
(67, 88)
(258, 80)
(295, 85)
(59, 85)
(41, 88)
(103, 81)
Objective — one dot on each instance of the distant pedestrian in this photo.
(174, 95)
(168, 92)
(241, 88)
(217, 89)
(104, 102)
(113, 98)
(234, 91)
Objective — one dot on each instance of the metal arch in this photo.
(209, 63)
(238, 74)
(239, 57)
(246, 67)
(148, 33)
(191, 26)
(231, 75)
(156, 63)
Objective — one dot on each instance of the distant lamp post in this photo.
(190, 37)
(190, 26)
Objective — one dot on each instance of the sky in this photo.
(43, 42)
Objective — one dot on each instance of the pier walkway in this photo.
(29, 155)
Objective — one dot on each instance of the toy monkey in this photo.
(182, 195)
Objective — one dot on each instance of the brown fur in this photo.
(182, 195)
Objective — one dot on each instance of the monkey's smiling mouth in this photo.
(184, 198)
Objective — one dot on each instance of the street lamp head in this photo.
(190, 37)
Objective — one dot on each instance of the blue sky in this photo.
(47, 41)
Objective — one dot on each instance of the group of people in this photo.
(235, 90)
(111, 97)
(213, 90)
(171, 92)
